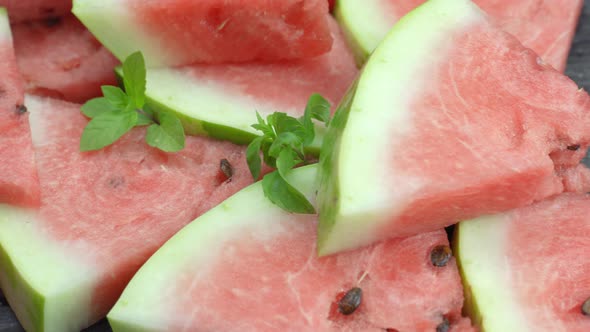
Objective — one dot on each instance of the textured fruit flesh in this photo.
(30, 10)
(61, 59)
(214, 31)
(18, 176)
(547, 27)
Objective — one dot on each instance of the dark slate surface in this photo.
(578, 69)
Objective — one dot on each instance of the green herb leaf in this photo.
(285, 196)
(105, 128)
(96, 106)
(318, 108)
(285, 140)
(168, 135)
(286, 160)
(253, 157)
(116, 96)
(145, 117)
(262, 126)
(134, 78)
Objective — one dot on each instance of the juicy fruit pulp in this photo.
(18, 177)
(547, 27)
(453, 136)
(180, 32)
(257, 269)
(30, 10)
(525, 269)
(101, 216)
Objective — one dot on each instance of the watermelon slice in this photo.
(18, 176)
(62, 59)
(256, 269)
(447, 131)
(547, 27)
(222, 99)
(527, 269)
(31, 10)
(180, 32)
(103, 214)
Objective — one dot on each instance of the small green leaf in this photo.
(318, 108)
(96, 106)
(282, 194)
(145, 117)
(285, 139)
(263, 127)
(286, 160)
(105, 128)
(168, 136)
(253, 157)
(134, 78)
(115, 96)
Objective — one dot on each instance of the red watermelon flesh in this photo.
(547, 27)
(30, 10)
(18, 176)
(532, 120)
(118, 205)
(61, 59)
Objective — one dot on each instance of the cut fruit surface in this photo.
(31, 10)
(248, 265)
(526, 270)
(18, 176)
(181, 32)
(451, 119)
(547, 27)
(61, 59)
(221, 100)
(102, 215)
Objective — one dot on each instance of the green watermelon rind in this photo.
(139, 309)
(361, 54)
(384, 85)
(217, 127)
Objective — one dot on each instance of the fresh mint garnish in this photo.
(282, 144)
(115, 114)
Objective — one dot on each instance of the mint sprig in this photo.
(118, 111)
(282, 144)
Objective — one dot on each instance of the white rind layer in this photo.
(481, 254)
(113, 23)
(140, 307)
(61, 281)
(380, 113)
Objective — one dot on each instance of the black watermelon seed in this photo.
(21, 109)
(574, 147)
(586, 307)
(440, 255)
(350, 301)
(445, 326)
(52, 21)
(226, 169)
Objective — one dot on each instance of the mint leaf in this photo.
(262, 126)
(105, 128)
(168, 136)
(286, 160)
(134, 78)
(253, 157)
(145, 117)
(318, 108)
(285, 196)
(96, 106)
(116, 96)
(285, 140)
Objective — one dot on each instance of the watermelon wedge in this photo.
(239, 268)
(220, 100)
(63, 266)
(18, 176)
(527, 269)
(447, 131)
(61, 59)
(547, 27)
(180, 32)
(32, 10)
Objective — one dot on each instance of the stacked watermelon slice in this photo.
(450, 119)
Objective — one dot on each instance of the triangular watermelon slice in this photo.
(527, 269)
(18, 176)
(61, 59)
(102, 215)
(220, 100)
(452, 118)
(181, 32)
(547, 27)
(239, 268)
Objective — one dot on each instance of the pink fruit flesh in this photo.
(30, 10)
